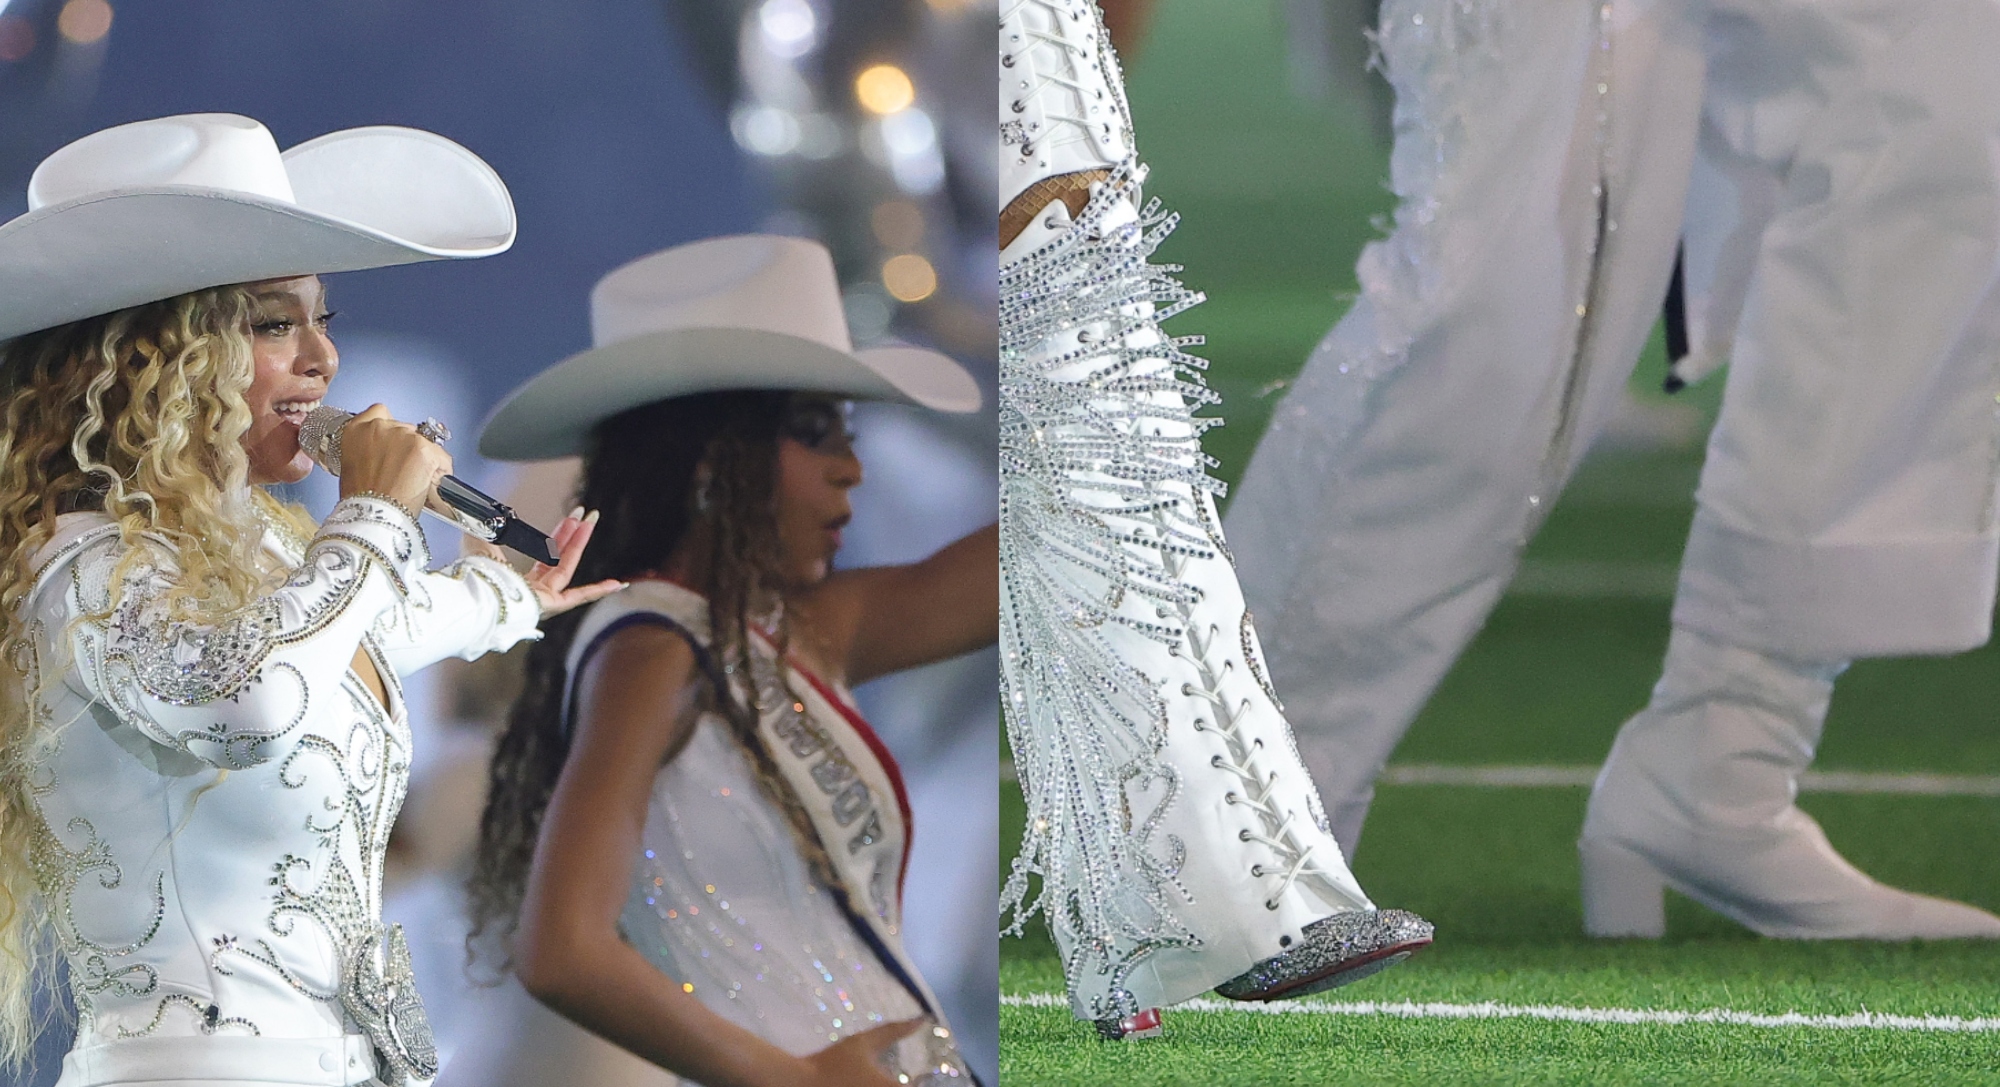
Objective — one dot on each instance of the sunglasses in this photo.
(818, 423)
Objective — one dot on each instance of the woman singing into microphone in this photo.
(694, 845)
(204, 739)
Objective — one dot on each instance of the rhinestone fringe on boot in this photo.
(1179, 842)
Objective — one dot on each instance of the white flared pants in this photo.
(1842, 234)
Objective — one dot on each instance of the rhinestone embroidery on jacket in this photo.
(186, 663)
(59, 869)
(141, 648)
(208, 1017)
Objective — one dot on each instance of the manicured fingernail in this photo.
(590, 518)
(624, 584)
(576, 514)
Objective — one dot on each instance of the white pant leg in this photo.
(1846, 508)
(1387, 504)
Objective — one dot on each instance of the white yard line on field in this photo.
(1558, 1013)
(1580, 777)
(1813, 781)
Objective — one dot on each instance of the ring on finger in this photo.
(434, 430)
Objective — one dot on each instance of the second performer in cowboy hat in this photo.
(203, 734)
(694, 845)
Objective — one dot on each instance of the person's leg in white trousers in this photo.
(1843, 251)
(1385, 508)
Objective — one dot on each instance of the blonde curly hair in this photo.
(140, 414)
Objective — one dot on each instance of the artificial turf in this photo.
(1495, 869)
(1277, 196)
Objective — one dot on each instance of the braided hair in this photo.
(641, 470)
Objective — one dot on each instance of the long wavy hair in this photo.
(640, 471)
(139, 414)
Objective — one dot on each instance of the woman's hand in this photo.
(379, 455)
(551, 583)
(856, 1060)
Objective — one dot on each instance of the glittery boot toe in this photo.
(1341, 949)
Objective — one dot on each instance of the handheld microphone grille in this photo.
(319, 435)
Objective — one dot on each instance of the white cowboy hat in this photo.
(753, 311)
(153, 209)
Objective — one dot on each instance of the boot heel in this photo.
(1623, 894)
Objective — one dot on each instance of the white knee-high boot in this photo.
(1697, 795)
(1178, 839)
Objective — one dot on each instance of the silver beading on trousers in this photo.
(1097, 435)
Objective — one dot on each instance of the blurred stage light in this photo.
(788, 27)
(84, 21)
(898, 224)
(869, 311)
(881, 89)
(909, 278)
(914, 160)
(909, 132)
(765, 130)
(17, 37)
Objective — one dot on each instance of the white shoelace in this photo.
(1295, 857)
(1070, 53)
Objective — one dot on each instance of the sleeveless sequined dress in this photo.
(721, 897)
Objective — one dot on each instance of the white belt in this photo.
(319, 1062)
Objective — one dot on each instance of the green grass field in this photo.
(1277, 196)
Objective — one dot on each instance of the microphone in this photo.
(473, 512)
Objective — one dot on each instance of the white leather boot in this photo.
(1179, 840)
(1062, 99)
(1697, 795)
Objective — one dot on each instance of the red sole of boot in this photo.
(1347, 972)
(1132, 1028)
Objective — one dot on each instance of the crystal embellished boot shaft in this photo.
(1180, 843)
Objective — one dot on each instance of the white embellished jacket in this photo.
(216, 799)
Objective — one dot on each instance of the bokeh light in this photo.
(765, 130)
(789, 28)
(84, 21)
(882, 89)
(909, 278)
(869, 311)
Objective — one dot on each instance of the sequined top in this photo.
(723, 902)
(216, 799)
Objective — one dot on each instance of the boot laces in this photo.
(1294, 856)
(1068, 74)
